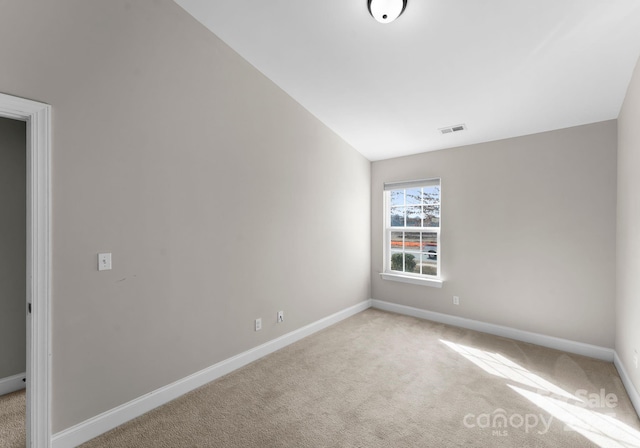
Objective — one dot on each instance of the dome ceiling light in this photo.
(386, 11)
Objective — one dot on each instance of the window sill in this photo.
(433, 282)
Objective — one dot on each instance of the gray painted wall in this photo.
(13, 246)
(628, 280)
(528, 236)
(221, 198)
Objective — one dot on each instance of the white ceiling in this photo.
(502, 67)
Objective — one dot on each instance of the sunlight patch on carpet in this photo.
(601, 428)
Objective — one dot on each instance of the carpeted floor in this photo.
(12, 420)
(384, 380)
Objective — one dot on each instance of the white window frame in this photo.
(409, 277)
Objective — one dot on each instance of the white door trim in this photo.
(38, 118)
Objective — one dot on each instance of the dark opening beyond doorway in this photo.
(13, 225)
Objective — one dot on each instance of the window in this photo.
(412, 229)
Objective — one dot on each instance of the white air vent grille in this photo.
(456, 128)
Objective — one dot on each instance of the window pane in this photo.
(430, 245)
(397, 197)
(414, 216)
(412, 241)
(397, 216)
(429, 267)
(397, 261)
(414, 196)
(411, 263)
(396, 241)
(431, 216)
(431, 195)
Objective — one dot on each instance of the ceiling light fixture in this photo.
(386, 11)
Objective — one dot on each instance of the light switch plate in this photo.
(104, 262)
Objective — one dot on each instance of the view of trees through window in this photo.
(413, 229)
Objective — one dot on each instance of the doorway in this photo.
(13, 280)
(37, 118)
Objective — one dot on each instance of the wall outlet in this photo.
(258, 324)
(456, 300)
(280, 317)
(635, 358)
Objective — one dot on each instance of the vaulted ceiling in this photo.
(503, 68)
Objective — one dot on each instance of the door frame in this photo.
(38, 118)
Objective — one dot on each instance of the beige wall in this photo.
(528, 236)
(221, 198)
(628, 280)
(13, 249)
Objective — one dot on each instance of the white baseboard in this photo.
(93, 427)
(12, 383)
(593, 351)
(631, 390)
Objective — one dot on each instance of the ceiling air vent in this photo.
(456, 128)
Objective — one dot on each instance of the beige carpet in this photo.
(12, 420)
(385, 380)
